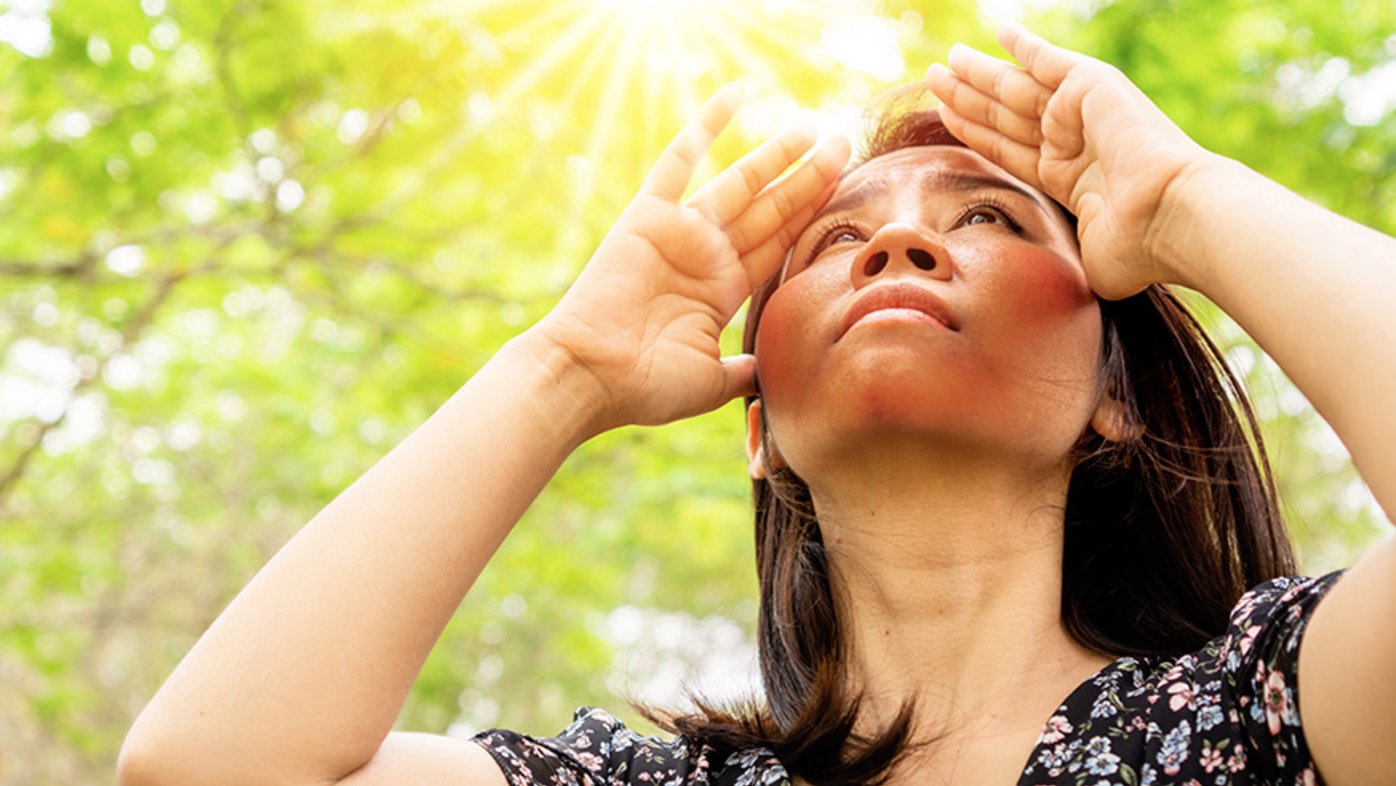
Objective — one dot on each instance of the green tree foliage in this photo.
(249, 245)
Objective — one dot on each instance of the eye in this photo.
(838, 233)
(986, 214)
(988, 210)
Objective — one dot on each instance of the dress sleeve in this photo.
(596, 749)
(1260, 664)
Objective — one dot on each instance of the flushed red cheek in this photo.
(1041, 324)
(781, 357)
(1041, 285)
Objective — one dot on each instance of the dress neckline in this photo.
(1072, 699)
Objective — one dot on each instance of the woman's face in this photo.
(850, 350)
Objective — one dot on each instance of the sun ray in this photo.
(510, 91)
(561, 11)
(566, 105)
(612, 92)
(725, 44)
(454, 10)
(689, 102)
(755, 37)
(549, 58)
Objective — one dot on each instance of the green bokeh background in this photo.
(246, 246)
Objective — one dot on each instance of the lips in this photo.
(899, 296)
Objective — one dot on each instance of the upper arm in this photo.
(1347, 695)
(427, 760)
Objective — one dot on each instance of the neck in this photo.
(947, 581)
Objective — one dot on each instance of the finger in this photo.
(674, 169)
(1013, 86)
(973, 105)
(789, 197)
(1046, 62)
(1019, 159)
(725, 197)
(739, 377)
(762, 262)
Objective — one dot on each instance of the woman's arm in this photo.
(301, 678)
(1318, 293)
(1315, 290)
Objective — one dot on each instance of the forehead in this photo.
(914, 165)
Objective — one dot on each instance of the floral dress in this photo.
(1225, 715)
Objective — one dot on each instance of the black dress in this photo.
(1225, 715)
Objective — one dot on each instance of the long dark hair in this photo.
(1164, 532)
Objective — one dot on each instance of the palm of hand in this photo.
(1110, 155)
(644, 317)
(1079, 130)
(651, 306)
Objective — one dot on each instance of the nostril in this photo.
(921, 258)
(875, 264)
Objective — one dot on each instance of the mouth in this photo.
(900, 301)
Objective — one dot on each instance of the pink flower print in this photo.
(1182, 694)
(1308, 777)
(1057, 729)
(1290, 594)
(1276, 700)
(1211, 758)
(1237, 761)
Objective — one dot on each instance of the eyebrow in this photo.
(967, 181)
(952, 181)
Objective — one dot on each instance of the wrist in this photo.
(561, 389)
(1176, 242)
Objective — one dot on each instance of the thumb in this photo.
(739, 377)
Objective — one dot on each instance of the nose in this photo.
(900, 246)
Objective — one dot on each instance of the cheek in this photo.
(1037, 293)
(1044, 321)
(1044, 279)
(781, 357)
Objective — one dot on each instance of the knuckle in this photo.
(686, 156)
(784, 204)
(751, 179)
(999, 81)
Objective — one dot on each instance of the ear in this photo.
(1111, 422)
(755, 451)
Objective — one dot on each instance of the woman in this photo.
(940, 391)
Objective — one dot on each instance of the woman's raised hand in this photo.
(644, 316)
(1078, 129)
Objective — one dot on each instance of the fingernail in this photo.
(936, 69)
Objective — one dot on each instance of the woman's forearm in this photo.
(304, 674)
(1315, 290)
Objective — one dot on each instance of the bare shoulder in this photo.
(1347, 694)
(427, 760)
